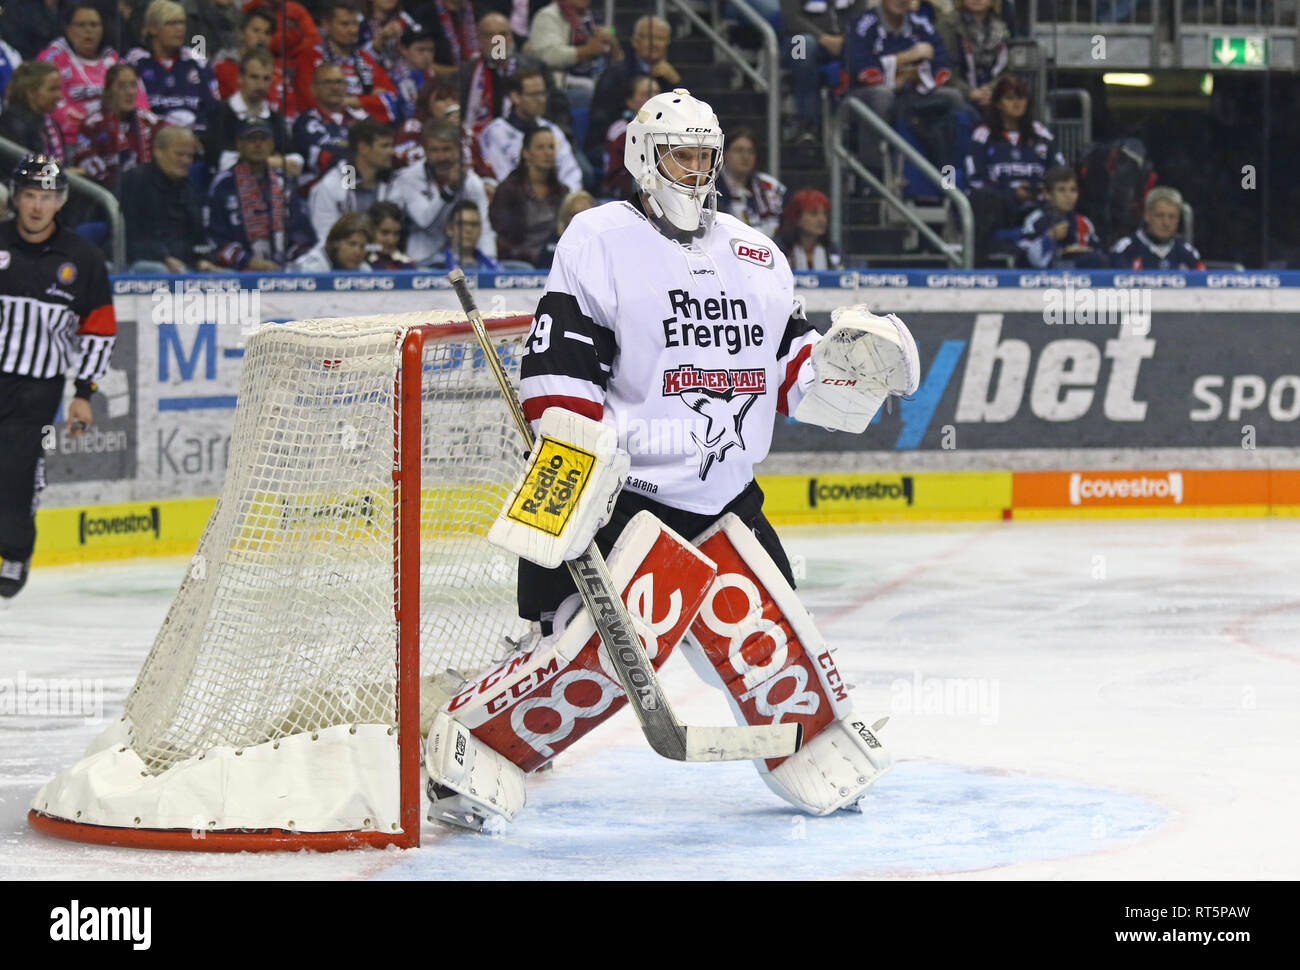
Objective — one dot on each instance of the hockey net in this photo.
(346, 554)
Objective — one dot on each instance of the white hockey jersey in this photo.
(687, 350)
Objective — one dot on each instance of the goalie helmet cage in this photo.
(279, 707)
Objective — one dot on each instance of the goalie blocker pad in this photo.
(861, 361)
(540, 700)
(754, 638)
(574, 474)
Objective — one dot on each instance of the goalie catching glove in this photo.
(574, 475)
(861, 361)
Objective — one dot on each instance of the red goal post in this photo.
(280, 705)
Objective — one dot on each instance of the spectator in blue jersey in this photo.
(162, 210)
(9, 59)
(898, 68)
(1056, 236)
(813, 40)
(464, 226)
(255, 222)
(181, 87)
(976, 41)
(1008, 157)
(320, 134)
(1154, 245)
(413, 65)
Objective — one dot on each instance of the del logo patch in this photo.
(762, 255)
(67, 273)
(4, 258)
(553, 486)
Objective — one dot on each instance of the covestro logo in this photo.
(1093, 489)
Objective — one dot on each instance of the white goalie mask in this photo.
(674, 153)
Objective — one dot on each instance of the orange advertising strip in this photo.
(1284, 486)
(1152, 489)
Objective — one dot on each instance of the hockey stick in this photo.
(666, 734)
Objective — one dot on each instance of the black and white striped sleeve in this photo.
(571, 347)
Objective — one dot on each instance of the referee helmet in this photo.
(38, 172)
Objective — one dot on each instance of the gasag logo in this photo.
(753, 253)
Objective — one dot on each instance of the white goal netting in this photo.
(284, 627)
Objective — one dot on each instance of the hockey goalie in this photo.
(666, 342)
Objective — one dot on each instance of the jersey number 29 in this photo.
(539, 337)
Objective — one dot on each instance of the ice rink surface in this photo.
(1113, 699)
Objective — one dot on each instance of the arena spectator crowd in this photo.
(257, 135)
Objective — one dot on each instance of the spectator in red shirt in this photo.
(369, 86)
(295, 33)
(254, 33)
(120, 135)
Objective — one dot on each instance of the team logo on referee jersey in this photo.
(723, 398)
(67, 273)
(4, 258)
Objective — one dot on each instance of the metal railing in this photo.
(770, 85)
(12, 152)
(839, 157)
(1131, 12)
(1236, 13)
(1073, 134)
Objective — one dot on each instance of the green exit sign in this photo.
(1245, 51)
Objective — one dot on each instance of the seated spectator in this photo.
(526, 205)
(162, 210)
(573, 203)
(976, 41)
(294, 35)
(564, 36)
(382, 27)
(30, 26)
(123, 23)
(354, 186)
(369, 88)
(429, 189)
(82, 62)
(180, 86)
(437, 102)
(33, 93)
(464, 223)
(343, 249)
(320, 134)
(386, 230)
(256, 224)
(1056, 236)
(617, 182)
(803, 234)
(898, 68)
(251, 101)
(647, 54)
(485, 85)
(501, 141)
(120, 135)
(451, 25)
(1154, 245)
(413, 65)
(1004, 169)
(813, 38)
(9, 59)
(753, 197)
(216, 21)
(254, 34)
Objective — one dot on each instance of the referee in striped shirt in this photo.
(56, 317)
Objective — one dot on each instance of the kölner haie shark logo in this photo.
(723, 397)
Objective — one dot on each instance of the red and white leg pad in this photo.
(755, 638)
(516, 717)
